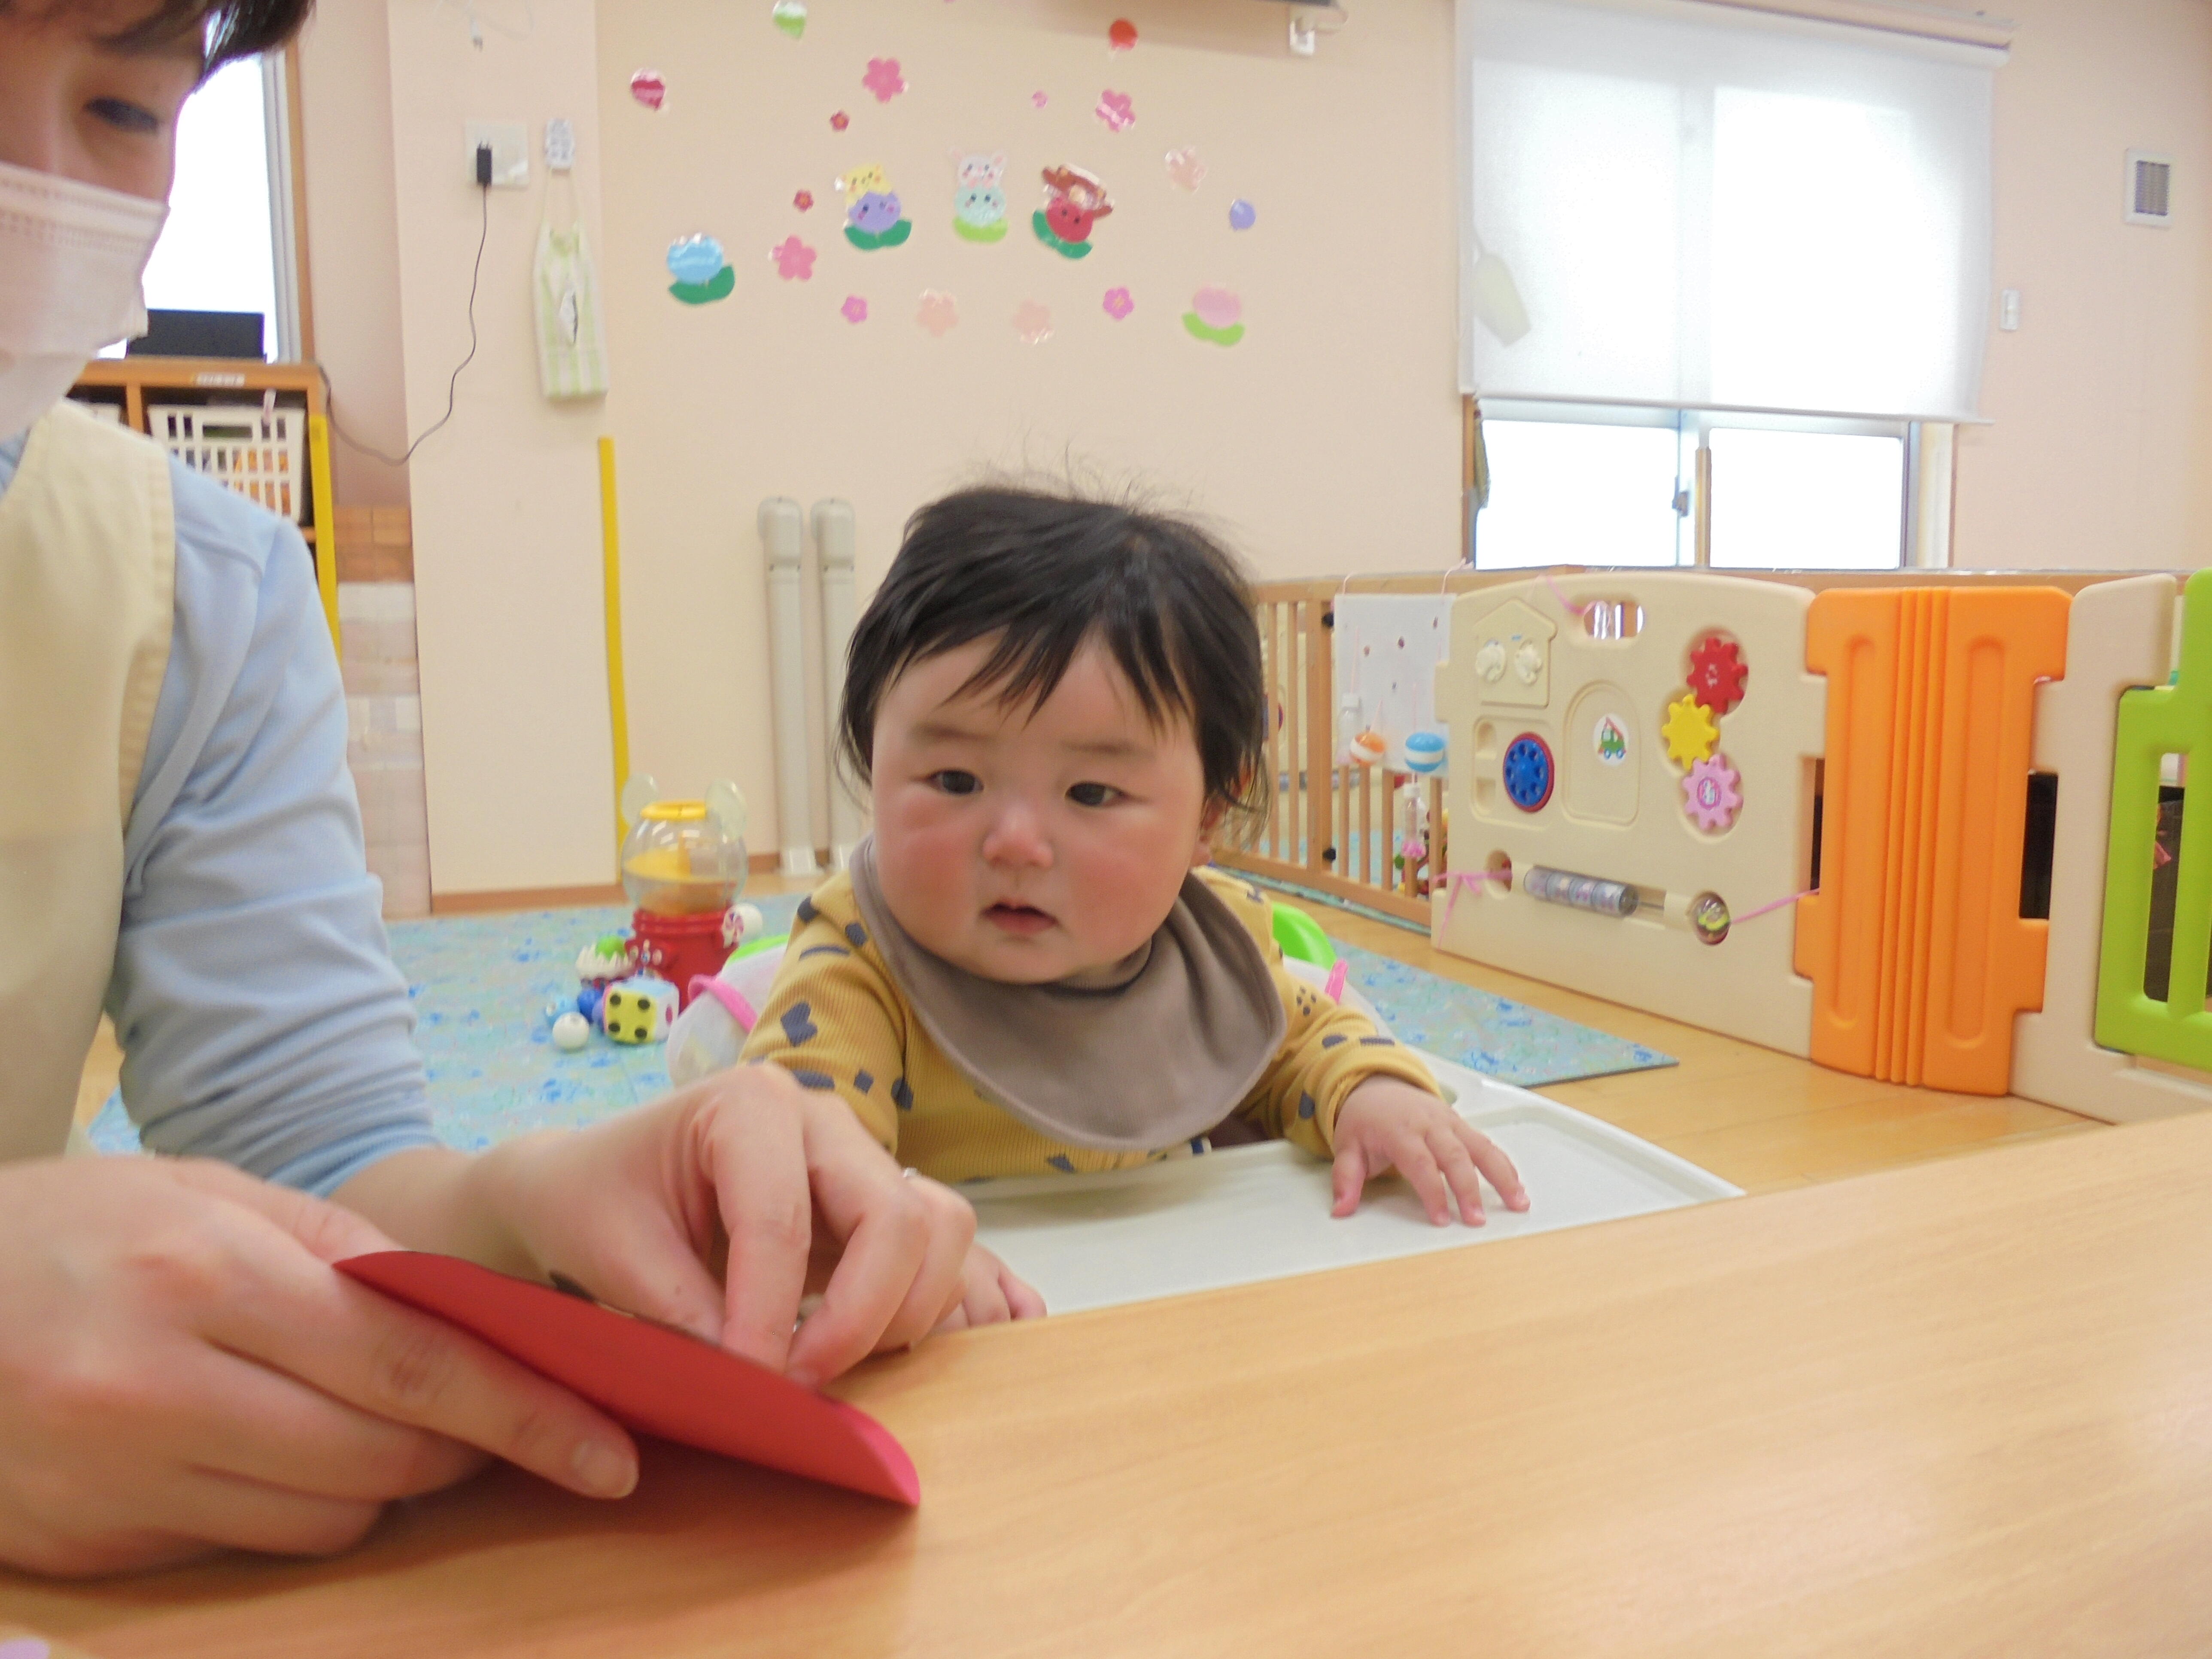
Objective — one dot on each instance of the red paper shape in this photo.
(650, 1378)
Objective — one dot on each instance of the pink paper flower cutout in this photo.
(1118, 303)
(1033, 322)
(1116, 110)
(1039, 100)
(938, 313)
(804, 200)
(840, 121)
(794, 260)
(884, 79)
(1185, 170)
(854, 310)
(1218, 307)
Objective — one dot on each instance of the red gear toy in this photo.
(1717, 674)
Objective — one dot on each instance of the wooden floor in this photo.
(1762, 1119)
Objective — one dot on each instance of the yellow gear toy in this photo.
(1690, 732)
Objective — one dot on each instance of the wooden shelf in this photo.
(223, 379)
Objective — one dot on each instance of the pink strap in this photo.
(741, 1010)
(1336, 977)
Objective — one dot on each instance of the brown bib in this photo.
(1152, 1051)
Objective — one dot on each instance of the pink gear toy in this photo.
(1709, 795)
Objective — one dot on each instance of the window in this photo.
(226, 241)
(1822, 500)
(1576, 492)
(1573, 484)
(1722, 271)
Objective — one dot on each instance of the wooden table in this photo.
(1962, 1408)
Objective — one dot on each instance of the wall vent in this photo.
(2150, 188)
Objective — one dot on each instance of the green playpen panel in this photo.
(2174, 719)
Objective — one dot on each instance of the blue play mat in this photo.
(480, 985)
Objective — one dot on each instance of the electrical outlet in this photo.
(510, 153)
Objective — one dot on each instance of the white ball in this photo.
(571, 1032)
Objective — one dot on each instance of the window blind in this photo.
(1686, 205)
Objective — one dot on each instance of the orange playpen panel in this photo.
(1915, 943)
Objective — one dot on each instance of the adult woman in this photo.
(184, 1370)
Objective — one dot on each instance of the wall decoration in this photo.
(938, 312)
(854, 310)
(884, 79)
(873, 218)
(1242, 215)
(702, 275)
(1074, 201)
(1116, 110)
(803, 201)
(1039, 100)
(647, 86)
(979, 206)
(1118, 304)
(1185, 170)
(1122, 36)
(790, 17)
(1033, 322)
(1215, 314)
(840, 121)
(794, 260)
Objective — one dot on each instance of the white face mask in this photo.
(71, 258)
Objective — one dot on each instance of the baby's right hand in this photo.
(991, 1292)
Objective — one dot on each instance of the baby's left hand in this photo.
(1386, 1123)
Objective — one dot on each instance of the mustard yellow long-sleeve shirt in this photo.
(836, 1020)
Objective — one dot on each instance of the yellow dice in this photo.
(638, 1012)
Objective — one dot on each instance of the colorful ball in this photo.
(1424, 753)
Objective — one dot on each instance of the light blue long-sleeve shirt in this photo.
(261, 1019)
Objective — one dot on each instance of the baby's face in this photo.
(1028, 845)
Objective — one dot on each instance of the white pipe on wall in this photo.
(833, 546)
(780, 539)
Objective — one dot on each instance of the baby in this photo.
(1058, 708)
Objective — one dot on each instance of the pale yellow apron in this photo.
(88, 582)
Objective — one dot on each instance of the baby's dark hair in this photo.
(1047, 573)
(227, 29)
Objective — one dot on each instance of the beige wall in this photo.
(505, 498)
(2098, 456)
(345, 111)
(1326, 442)
(1327, 439)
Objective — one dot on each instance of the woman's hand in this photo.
(182, 1370)
(716, 1209)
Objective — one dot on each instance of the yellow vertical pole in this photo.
(326, 524)
(617, 703)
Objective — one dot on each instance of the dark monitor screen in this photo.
(200, 334)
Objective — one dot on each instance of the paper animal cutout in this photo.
(873, 218)
(979, 206)
(651, 1378)
(1074, 201)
